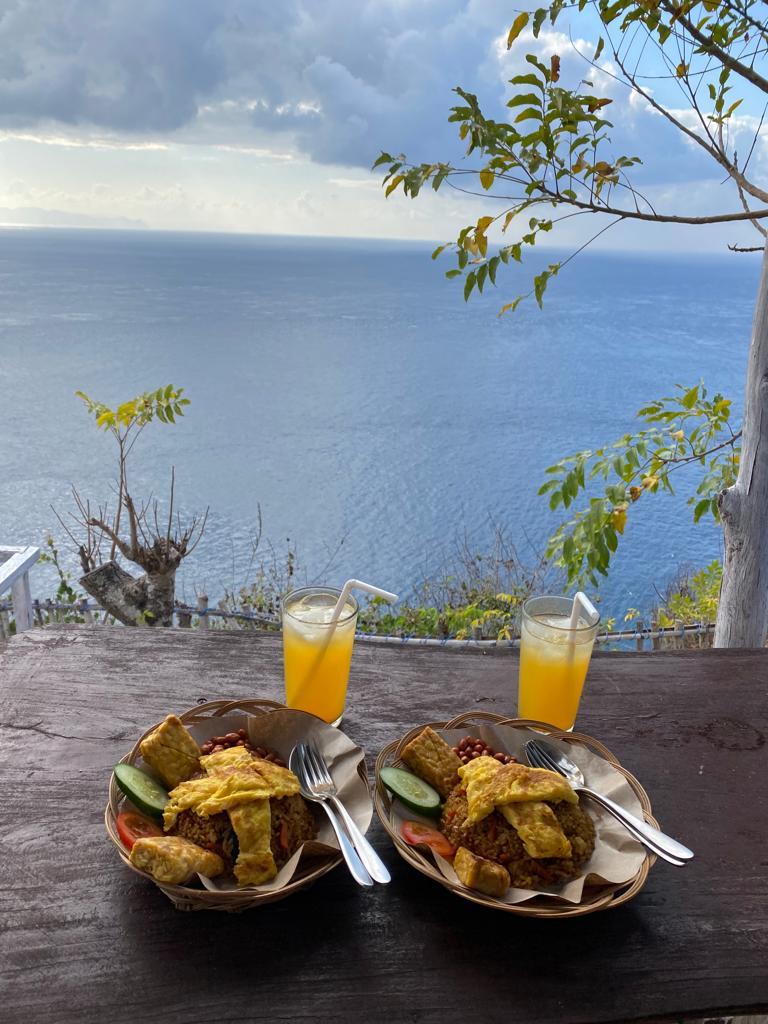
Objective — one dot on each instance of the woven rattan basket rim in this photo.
(600, 899)
(185, 897)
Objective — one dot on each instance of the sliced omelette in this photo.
(522, 796)
(242, 785)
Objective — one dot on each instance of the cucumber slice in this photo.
(416, 794)
(146, 794)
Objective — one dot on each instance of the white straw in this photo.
(581, 603)
(351, 585)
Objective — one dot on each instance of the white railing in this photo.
(15, 564)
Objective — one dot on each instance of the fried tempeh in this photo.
(173, 859)
(431, 758)
(478, 873)
(170, 752)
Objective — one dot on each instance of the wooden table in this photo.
(84, 940)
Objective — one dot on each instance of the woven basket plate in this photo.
(188, 898)
(594, 897)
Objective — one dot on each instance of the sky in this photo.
(264, 117)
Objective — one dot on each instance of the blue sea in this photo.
(345, 390)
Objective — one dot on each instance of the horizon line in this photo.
(287, 235)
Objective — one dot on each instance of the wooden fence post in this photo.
(679, 634)
(655, 639)
(202, 608)
(640, 641)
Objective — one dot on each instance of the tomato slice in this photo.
(416, 833)
(132, 826)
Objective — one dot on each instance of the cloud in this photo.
(334, 82)
(132, 66)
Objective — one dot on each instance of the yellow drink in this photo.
(317, 654)
(554, 659)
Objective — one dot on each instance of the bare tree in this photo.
(134, 529)
(552, 162)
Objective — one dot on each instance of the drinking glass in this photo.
(317, 652)
(554, 659)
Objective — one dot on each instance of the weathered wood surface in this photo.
(83, 940)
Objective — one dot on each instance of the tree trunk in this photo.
(146, 601)
(742, 615)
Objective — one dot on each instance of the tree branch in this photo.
(133, 526)
(121, 546)
(716, 154)
(660, 218)
(708, 45)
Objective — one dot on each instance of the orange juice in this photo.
(554, 659)
(316, 653)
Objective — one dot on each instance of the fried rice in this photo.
(495, 839)
(292, 824)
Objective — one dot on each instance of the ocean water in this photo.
(346, 390)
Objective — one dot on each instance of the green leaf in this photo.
(540, 286)
(535, 62)
(538, 20)
(438, 250)
(690, 397)
(529, 114)
(487, 178)
(523, 98)
(702, 507)
(452, 273)
(384, 158)
(469, 284)
(599, 49)
(526, 80)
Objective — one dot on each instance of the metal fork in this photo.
(322, 786)
(541, 755)
(298, 766)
